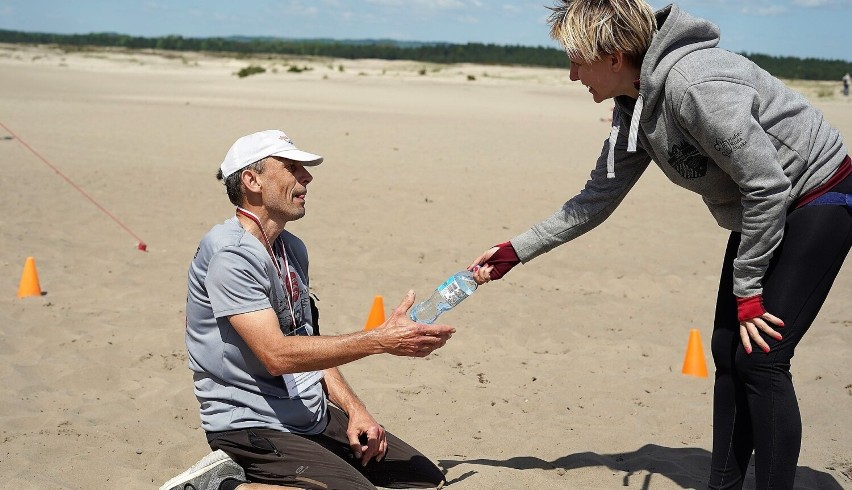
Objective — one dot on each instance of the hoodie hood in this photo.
(678, 34)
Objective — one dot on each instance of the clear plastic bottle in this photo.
(449, 294)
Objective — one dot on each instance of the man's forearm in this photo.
(295, 354)
(340, 393)
(282, 354)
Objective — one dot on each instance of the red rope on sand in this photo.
(140, 245)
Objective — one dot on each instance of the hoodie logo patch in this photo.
(728, 145)
(686, 160)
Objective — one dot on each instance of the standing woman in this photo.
(770, 169)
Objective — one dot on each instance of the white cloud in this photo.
(764, 10)
(821, 3)
(687, 4)
(155, 6)
(757, 6)
(295, 8)
(429, 4)
(441, 4)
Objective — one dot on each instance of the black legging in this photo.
(754, 404)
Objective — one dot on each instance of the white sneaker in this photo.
(207, 474)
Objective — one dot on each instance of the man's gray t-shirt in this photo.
(232, 273)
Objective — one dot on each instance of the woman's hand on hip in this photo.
(750, 330)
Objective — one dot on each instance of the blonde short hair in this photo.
(591, 29)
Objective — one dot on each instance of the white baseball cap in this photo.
(257, 146)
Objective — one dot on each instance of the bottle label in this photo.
(452, 293)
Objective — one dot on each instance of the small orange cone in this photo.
(29, 280)
(693, 363)
(377, 314)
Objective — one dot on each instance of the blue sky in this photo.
(803, 28)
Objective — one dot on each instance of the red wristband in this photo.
(751, 307)
(503, 260)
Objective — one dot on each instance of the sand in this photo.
(566, 374)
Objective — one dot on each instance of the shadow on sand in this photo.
(686, 467)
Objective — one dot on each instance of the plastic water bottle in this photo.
(449, 294)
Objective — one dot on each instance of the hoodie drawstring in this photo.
(634, 124)
(613, 136)
(632, 136)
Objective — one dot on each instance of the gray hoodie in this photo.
(716, 124)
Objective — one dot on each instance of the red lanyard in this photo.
(288, 284)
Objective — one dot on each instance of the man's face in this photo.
(284, 188)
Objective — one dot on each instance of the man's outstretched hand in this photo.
(400, 336)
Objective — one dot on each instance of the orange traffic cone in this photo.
(693, 363)
(377, 314)
(29, 280)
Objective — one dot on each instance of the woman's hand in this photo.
(482, 274)
(482, 258)
(750, 330)
(494, 263)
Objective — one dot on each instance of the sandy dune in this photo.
(565, 375)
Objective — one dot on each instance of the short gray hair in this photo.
(234, 182)
(591, 29)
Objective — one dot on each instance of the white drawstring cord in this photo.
(613, 136)
(634, 124)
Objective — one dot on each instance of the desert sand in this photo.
(566, 374)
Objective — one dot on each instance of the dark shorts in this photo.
(325, 460)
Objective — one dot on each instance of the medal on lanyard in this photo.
(289, 288)
(296, 383)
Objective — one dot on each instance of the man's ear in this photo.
(250, 181)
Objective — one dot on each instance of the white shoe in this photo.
(207, 474)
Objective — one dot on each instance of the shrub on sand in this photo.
(250, 70)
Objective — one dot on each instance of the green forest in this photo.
(487, 54)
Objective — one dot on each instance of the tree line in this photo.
(487, 54)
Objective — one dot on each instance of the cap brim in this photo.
(303, 157)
